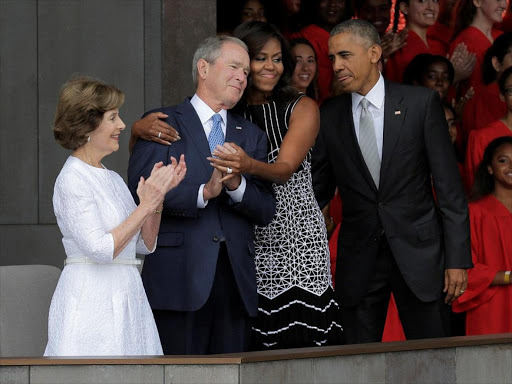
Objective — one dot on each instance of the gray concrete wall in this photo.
(458, 365)
(42, 44)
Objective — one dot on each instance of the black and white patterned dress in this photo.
(297, 307)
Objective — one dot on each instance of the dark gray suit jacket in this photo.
(425, 236)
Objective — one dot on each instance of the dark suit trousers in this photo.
(364, 323)
(220, 326)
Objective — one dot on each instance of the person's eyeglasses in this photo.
(508, 91)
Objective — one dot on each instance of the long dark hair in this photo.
(256, 34)
(501, 46)
(312, 89)
(463, 14)
(484, 181)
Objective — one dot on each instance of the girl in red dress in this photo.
(473, 26)
(486, 105)
(480, 138)
(328, 14)
(489, 293)
(419, 14)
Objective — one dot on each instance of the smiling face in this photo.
(266, 70)
(437, 77)
(501, 167)
(305, 68)
(354, 65)
(492, 10)
(331, 12)
(376, 12)
(105, 139)
(221, 84)
(420, 13)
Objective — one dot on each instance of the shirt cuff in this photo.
(200, 199)
(238, 194)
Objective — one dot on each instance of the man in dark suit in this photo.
(201, 280)
(384, 146)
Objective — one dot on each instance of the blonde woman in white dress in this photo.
(99, 306)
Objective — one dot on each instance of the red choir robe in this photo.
(477, 43)
(488, 308)
(319, 38)
(484, 108)
(438, 36)
(479, 139)
(398, 61)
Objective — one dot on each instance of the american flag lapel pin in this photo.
(398, 112)
(239, 128)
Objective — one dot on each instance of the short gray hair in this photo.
(360, 28)
(210, 49)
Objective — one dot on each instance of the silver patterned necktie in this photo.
(368, 142)
(216, 136)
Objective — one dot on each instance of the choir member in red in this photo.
(473, 26)
(440, 33)
(488, 296)
(487, 106)
(480, 138)
(306, 72)
(328, 14)
(431, 71)
(419, 15)
(378, 12)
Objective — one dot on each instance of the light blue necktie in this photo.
(216, 136)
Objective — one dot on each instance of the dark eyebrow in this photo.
(342, 53)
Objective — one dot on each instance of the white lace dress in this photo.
(99, 308)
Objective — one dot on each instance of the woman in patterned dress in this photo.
(296, 298)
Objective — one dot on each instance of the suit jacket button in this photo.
(215, 238)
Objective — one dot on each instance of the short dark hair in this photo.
(484, 181)
(360, 28)
(255, 34)
(82, 103)
(418, 66)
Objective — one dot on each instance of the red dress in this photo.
(438, 37)
(479, 139)
(488, 308)
(477, 43)
(319, 38)
(398, 61)
(484, 108)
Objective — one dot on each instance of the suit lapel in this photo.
(191, 123)
(354, 149)
(234, 133)
(394, 114)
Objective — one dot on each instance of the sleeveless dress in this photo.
(99, 307)
(295, 293)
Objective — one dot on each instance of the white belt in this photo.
(86, 260)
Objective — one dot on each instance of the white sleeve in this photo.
(77, 217)
(142, 249)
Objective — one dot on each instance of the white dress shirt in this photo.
(205, 114)
(375, 107)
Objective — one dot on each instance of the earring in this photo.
(88, 138)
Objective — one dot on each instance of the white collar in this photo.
(204, 112)
(375, 96)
